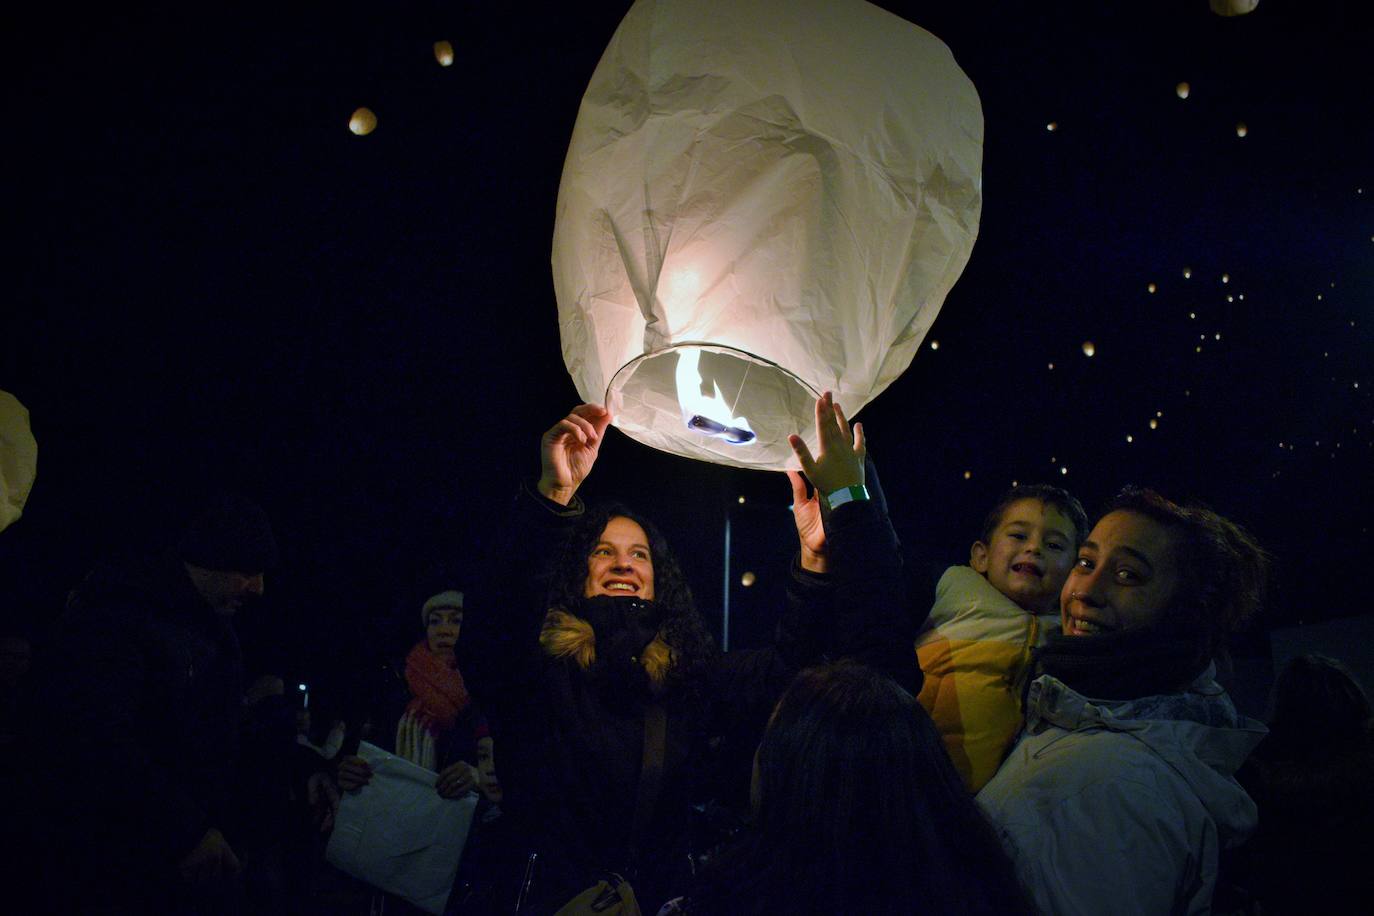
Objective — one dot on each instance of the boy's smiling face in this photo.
(1030, 554)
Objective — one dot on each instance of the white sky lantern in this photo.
(1183, 89)
(1241, 129)
(762, 200)
(1089, 348)
(363, 122)
(18, 458)
(443, 53)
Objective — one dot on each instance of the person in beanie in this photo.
(438, 727)
(138, 720)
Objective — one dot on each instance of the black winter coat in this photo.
(570, 760)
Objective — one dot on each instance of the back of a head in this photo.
(860, 810)
(1316, 705)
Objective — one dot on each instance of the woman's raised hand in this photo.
(569, 449)
(840, 463)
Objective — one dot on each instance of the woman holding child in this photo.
(1121, 794)
(616, 707)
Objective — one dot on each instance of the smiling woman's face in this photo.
(1125, 578)
(620, 562)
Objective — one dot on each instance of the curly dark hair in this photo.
(683, 629)
(1225, 570)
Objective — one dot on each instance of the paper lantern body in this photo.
(773, 195)
(18, 458)
(1233, 7)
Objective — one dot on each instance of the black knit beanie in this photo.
(232, 533)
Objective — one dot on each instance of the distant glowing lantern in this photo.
(1233, 7)
(18, 458)
(1182, 89)
(1192, 315)
(1241, 129)
(1063, 470)
(1159, 413)
(748, 579)
(443, 53)
(363, 122)
(1154, 424)
(968, 475)
(1225, 278)
(1151, 287)
(935, 345)
(761, 201)
(1052, 126)
(1187, 273)
(1089, 348)
(1051, 366)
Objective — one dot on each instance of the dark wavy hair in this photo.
(858, 810)
(683, 629)
(1316, 706)
(1225, 572)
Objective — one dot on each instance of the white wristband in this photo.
(857, 493)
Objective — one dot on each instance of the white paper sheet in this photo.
(398, 835)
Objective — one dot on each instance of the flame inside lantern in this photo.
(707, 414)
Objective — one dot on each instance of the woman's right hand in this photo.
(354, 773)
(568, 450)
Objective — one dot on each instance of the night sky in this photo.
(214, 284)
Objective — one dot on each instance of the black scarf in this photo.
(1126, 665)
(623, 627)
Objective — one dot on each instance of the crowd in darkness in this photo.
(1040, 730)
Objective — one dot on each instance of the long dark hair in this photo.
(859, 810)
(1316, 706)
(682, 629)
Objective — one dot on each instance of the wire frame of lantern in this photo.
(761, 201)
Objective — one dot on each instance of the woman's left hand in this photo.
(840, 463)
(457, 780)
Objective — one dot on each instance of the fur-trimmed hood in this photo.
(611, 638)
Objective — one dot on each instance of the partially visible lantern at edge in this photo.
(443, 53)
(1183, 89)
(363, 122)
(18, 458)
(762, 200)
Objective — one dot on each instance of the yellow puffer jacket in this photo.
(973, 651)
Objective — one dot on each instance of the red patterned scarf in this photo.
(438, 693)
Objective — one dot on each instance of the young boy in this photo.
(987, 618)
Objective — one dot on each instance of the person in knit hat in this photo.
(144, 691)
(439, 726)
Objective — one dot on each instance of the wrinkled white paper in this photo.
(18, 459)
(794, 184)
(398, 834)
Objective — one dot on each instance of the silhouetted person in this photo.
(1313, 780)
(138, 722)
